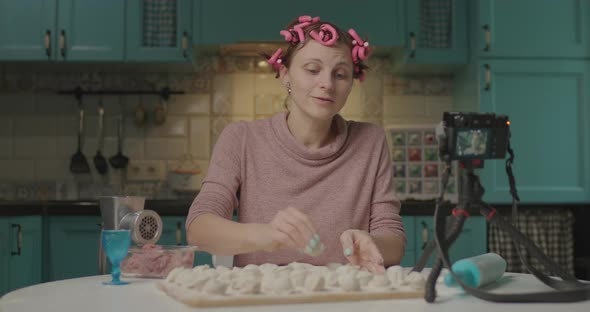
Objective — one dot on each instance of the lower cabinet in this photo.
(20, 252)
(419, 231)
(73, 246)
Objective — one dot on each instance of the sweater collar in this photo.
(327, 152)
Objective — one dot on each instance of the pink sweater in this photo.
(344, 185)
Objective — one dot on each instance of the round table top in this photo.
(88, 294)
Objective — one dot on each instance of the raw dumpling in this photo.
(396, 275)
(314, 282)
(348, 282)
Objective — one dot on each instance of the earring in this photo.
(289, 87)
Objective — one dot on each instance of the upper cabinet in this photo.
(89, 30)
(72, 30)
(27, 29)
(233, 21)
(160, 30)
(534, 28)
(547, 102)
(436, 32)
(103, 31)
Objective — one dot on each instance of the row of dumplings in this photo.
(295, 277)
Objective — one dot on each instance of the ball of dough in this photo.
(314, 282)
(171, 278)
(348, 282)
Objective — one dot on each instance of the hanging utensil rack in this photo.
(78, 92)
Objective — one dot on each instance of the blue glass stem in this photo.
(116, 273)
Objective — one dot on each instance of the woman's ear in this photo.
(284, 75)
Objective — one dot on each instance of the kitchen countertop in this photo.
(162, 207)
(89, 295)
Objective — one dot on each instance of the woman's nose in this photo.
(326, 82)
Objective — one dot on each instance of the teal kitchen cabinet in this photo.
(27, 29)
(547, 102)
(89, 30)
(471, 242)
(409, 259)
(160, 31)
(232, 21)
(73, 246)
(174, 233)
(64, 30)
(533, 28)
(21, 252)
(436, 32)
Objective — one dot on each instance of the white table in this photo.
(89, 295)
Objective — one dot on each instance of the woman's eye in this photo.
(313, 70)
(341, 76)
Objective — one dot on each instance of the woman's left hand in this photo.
(360, 249)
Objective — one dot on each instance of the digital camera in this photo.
(474, 135)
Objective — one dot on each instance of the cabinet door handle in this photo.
(184, 44)
(19, 239)
(488, 37)
(47, 42)
(100, 251)
(488, 77)
(424, 234)
(412, 45)
(178, 233)
(62, 43)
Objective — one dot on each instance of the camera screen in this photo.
(472, 143)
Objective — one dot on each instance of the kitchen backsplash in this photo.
(38, 128)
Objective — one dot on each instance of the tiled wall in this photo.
(38, 128)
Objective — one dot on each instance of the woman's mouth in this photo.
(324, 100)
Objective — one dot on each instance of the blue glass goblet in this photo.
(115, 244)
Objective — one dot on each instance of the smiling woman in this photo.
(313, 187)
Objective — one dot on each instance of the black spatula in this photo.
(119, 161)
(78, 163)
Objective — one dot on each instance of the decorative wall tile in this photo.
(5, 127)
(53, 104)
(436, 105)
(34, 126)
(5, 148)
(222, 94)
(354, 105)
(403, 106)
(217, 125)
(438, 85)
(264, 104)
(16, 103)
(170, 148)
(17, 170)
(33, 147)
(393, 85)
(268, 84)
(243, 90)
(200, 135)
(189, 104)
(19, 82)
(54, 169)
(175, 126)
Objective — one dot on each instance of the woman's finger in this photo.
(307, 226)
(288, 229)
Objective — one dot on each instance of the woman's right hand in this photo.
(289, 228)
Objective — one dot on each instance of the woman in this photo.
(310, 186)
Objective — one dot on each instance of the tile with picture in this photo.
(414, 186)
(431, 186)
(429, 138)
(399, 171)
(431, 170)
(400, 186)
(415, 171)
(398, 138)
(415, 154)
(431, 154)
(399, 154)
(414, 138)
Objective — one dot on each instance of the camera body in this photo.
(470, 136)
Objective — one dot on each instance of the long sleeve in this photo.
(220, 186)
(385, 206)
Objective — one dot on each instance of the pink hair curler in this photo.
(275, 60)
(323, 37)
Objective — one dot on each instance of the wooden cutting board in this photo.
(194, 299)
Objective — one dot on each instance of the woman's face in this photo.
(320, 79)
